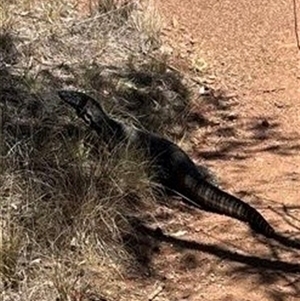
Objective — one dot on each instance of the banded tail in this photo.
(202, 194)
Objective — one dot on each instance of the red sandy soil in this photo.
(252, 144)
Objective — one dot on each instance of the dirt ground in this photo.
(252, 144)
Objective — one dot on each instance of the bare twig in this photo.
(296, 24)
(156, 292)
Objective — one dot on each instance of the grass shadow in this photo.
(266, 271)
(239, 139)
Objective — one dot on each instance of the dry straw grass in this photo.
(66, 202)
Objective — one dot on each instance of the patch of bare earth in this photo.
(252, 143)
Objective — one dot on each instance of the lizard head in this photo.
(86, 107)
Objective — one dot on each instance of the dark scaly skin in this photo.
(172, 166)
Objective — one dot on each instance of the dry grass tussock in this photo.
(66, 202)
